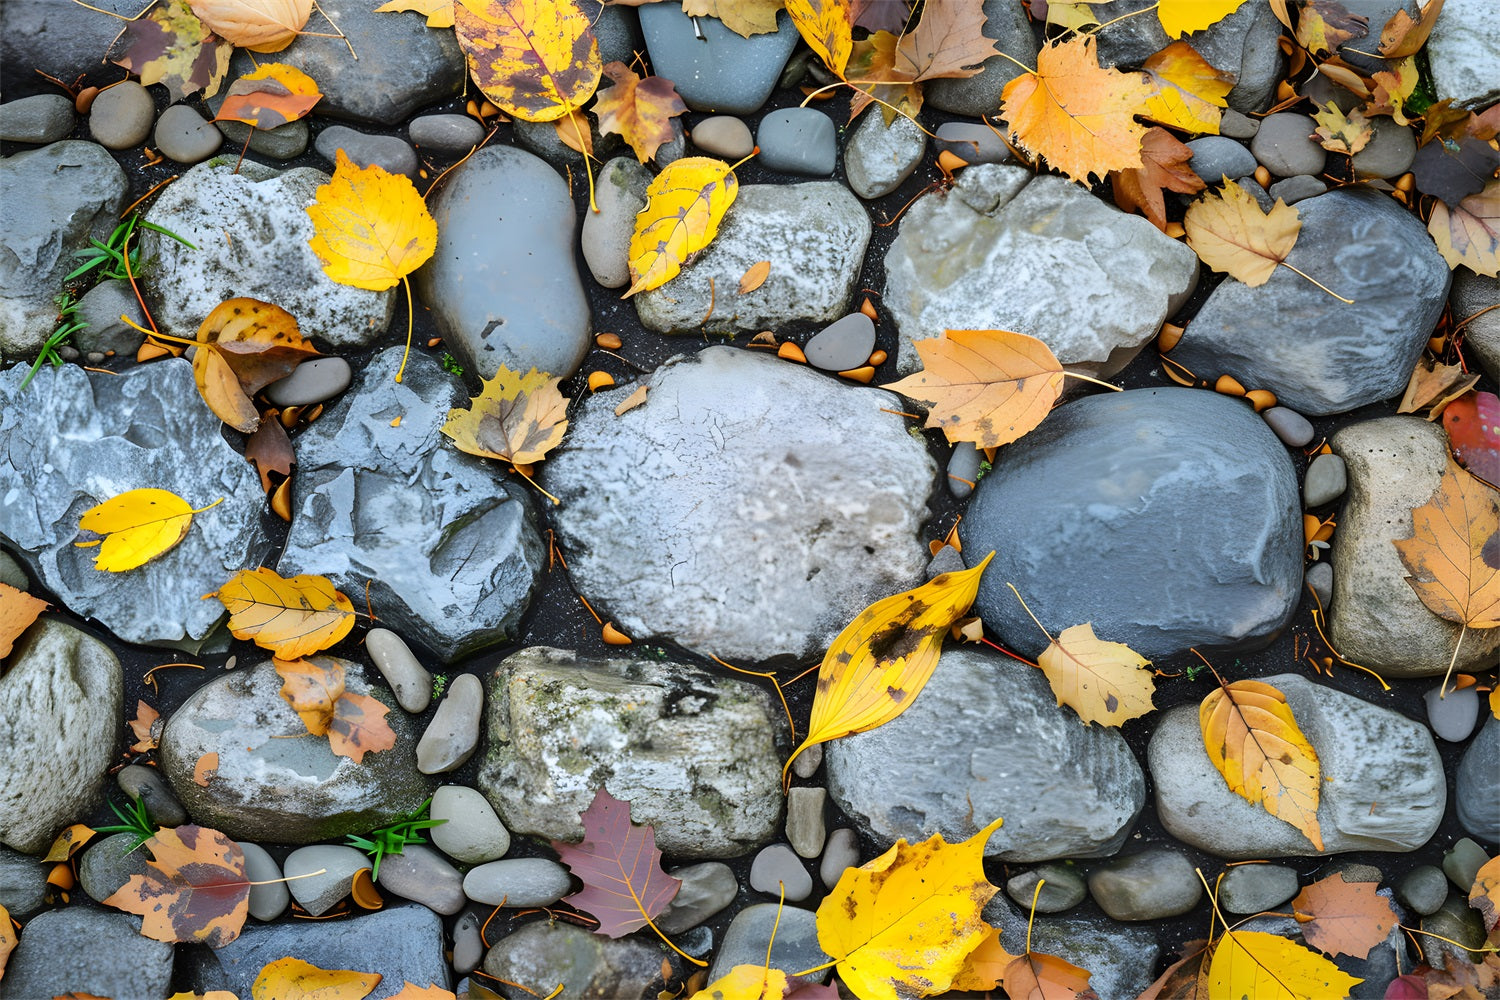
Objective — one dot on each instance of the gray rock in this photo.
(453, 733)
(1238, 125)
(706, 889)
(841, 852)
(582, 963)
(724, 136)
(321, 875)
(963, 470)
(53, 200)
(1471, 295)
(251, 231)
(1319, 577)
(798, 141)
(795, 946)
(409, 680)
(63, 706)
(101, 308)
(792, 564)
(1062, 888)
(777, 867)
(12, 573)
(468, 945)
(284, 142)
(107, 864)
(1384, 788)
(1121, 957)
(713, 68)
(1326, 480)
(145, 785)
(392, 154)
(1464, 50)
(1295, 430)
(1255, 888)
(843, 344)
(451, 134)
(23, 883)
(878, 157)
(808, 761)
(270, 897)
(1423, 889)
(1390, 151)
(1477, 789)
(1285, 145)
(1200, 461)
(401, 943)
(1317, 354)
(973, 143)
(471, 832)
(275, 781)
(980, 95)
(424, 876)
(59, 40)
(1300, 188)
(121, 115)
(1452, 714)
(1215, 157)
(987, 739)
(182, 134)
(1377, 620)
(451, 564)
(61, 950)
(543, 140)
(1320, 89)
(617, 29)
(1152, 885)
(1037, 255)
(518, 882)
(1456, 921)
(1461, 863)
(947, 560)
(621, 184)
(804, 820)
(814, 234)
(560, 726)
(315, 381)
(41, 118)
(503, 285)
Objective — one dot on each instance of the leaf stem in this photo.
(1027, 609)
(1036, 892)
(1443, 687)
(406, 281)
(1315, 281)
(583, 144)
(539, 489)
(1090, 378)
(651, 924)
(775, 924)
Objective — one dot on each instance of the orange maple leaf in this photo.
(639, 110)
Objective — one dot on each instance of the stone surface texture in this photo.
(59, 953)
(1464, 51)
(583, 964)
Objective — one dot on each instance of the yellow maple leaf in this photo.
(515, 418)
(684, 206)
(1179, 17)
(138, 526)
(1230, 233)
(1469, 233)
(1341, 133)
(293, 979)
(292, 616)
(439, 13)
(827, 26)
(1190, 93)
(536, 59)
(1270, 967)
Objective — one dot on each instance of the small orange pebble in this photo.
(1261, 399)
(609, 341)
(791, 352)
(1229, 386)
(1175, 230)
(1285, 91)
(434, 341)
(600, 380)
(397, 421)
(1262, 176)
(487, 110)
(950, 161)
(613, 636)
(878, 358)
(1406, 182)
(1167, 339)
(1437, 344)
(150, 352)
(868, 308)
(281, 501)
(61, 876)
(85, 100)
(1461, 681)
(862, 374)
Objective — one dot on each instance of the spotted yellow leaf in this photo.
(292, 616)
(1104, 682)
(370, 228)
(137, 526)
(684, 206)
(538, 60)
(515, 418)
(1179, 17)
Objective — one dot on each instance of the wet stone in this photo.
(1254, 888)
(1423, 889)
(401, 669)
(808, 761)
(1456, 921)
(843, 344)
(23, 883)
(1319, 577)
(1063, 887)
(1325, 481)
(795, 945)
(1122, 957)
(445, 133)
(973, 143)
(606, 236)
(798, 141)
(471, 833)
(804, 820)
(1215, 157)
(1477, 789)
(583, 963)
(1464, 49)
(1284, 147)
(724, 136)
(270, 898)
(183, 135)
(468, 944)
(980, 94)
(318, 893)
(60, 953)
(1390, 151)
(839, 853)
(518, 882)
(13, 574)
(1238, 125)
(879, 157)
(776, 866)
(1462, 861)
(121, 116)
(393, 155)
(108, 863)
(1295, 430)
(423, 876)
(315, 381)
(41, 118)
(706, 889)
(713, 68)
(101, 308)
(1152, 885)
(284, 142)
(145, 785)
(453, 733)
(1452, 713)
(1294, 189)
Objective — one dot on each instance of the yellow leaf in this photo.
(536, 59)
(986, 386)
(1230, 233)
(293, 979)
(1451, 554)
(271, 96)
(18, 610)
(69, 842)
(1495, 701)
(746, 982)
(1469, 233)
(1178, 17)
(439, 13)
(878, 664)
(1341, 133)
(827, 26)
(1104, 682)
(905, 923)
(684, 206)
(1392, 87)
(1484, 895)
(1077, 115)
(640, 110)
(292, 617)
(370, 228)
(311, 687)
(1254, 742)
(515, 418)
(1189, 92)
(139, 525)
(8, 940)
(743, 17)
(257, 25)
(210, 995)
(247, 345)
(1073, 16)
(1252, 965)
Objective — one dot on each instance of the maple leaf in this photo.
(1230, 233)
(984, 967)
(144, 725)
(292, 617)
(359, 727)
(258, 25)
(293, 979)
(1434, 386)
(1469, 233)
(1268, 967)
(439, 13)
(194, 888)
(1077, 115)
(1341, 133)
(879, 663)
(827, 27)
(684, 205)
(872, 72)
(1164, 165)
(311, 687)
(908, 920)
(1403, 36)
(640, 110)
(1104, 682)
(243, 346)
(743, 17)
(1484, 896)
(1324, 25)
(536, 59)
(623, 882)
(270, 450)
(1253, 740)
(515, 418)
(990, 387)
(1189, 93)
(172, 47)
(271, 96)
(18, 610)
(138, 526)
(1343, 918)
(1180, 17)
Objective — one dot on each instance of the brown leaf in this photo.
(359, 727)
(194, 888)
(755, 276)
(18, 610)
(1039, 976)
(206, 769)
(1485, 894)
(1453, 555)
(632, 401)
(1230, 233)
(270, 450)
(244, 346)
(1183, 979)
(984, 968)
(170, 46)
(1324, 25)
(640, 110)
(949, 41)
(1164, 165)
(1402, 36)
(873, 73)
(145, 727)
(1469, 233)
(1343, 918)
(311, 687)
(515, 418)
(1434, 385)
(271, 96)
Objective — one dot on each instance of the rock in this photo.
(61, 691)
(1238, 125)
(1377, 620)
(706, 889)
(1285, 145)
(980, 95)
(270, 897)
(275, 781)
(58, 40)
(409, 680)
(1319, 576)
(561, 726)
(321, 875)
(182, 134)
(1461, 863)
(724, 136)
(61, 951)
(1477, 789)
(1455, 921)
(121, 116)
(451, 134)
(41, 118)
(964, 470)
(1320, 90)
(284, 142)
(1202, 462)
(1423, 889)
(421, 874)
(878, 157)
(453, 733)
(798, 141)
(1062, 888)
(713, 68)
(843, 344)
(390, 153)
(1122, 957)
(1471, 294)
(453, 563)
(471, 832)
(1317, 354)
(23, 884)
(1325, 482)
(808, 761)
(468, 944)
(972, 143)
(776, 868)
(1294, 189)
(101, 308)
(1464, 50)
(503, 286)
(315, 381)
(400, 943)
(1152, 885)
(622, 184)
(1215, 157)
(542, 139)
(1295, 430)
(12, 574)
(582, 963)
(840, 853)
(804, 820)
(106, 865)
(814, 234)
(1037, 255)
(794, 947)
(251, 231)
(518, 882)
(1254, 888)
(988, 739)
(1452, 714)
(145, 785)
(796, 556)
(1384, 788)
(53, 200)
(1389, 153)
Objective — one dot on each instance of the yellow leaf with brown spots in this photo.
(194, 888)
(536, 59)
(1104, 682)
(291, 616)
(515, 418)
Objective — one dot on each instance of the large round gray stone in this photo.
(712, 67)
(88, 949)
(1169, 518)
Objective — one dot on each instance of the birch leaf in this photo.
(1104, 682)
(293, 617)
(370, 228)
(1264, 966)
(684, 205)
(515, 418)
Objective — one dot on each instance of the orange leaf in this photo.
(1451, 555)
(69, 842)
(311, 687)
(7, 939)
(293, 979)
(1343, 918)
(18, 610)
(272, 95)
(432, 991)
(1433, 386)
(1402, 36)
(258, 25)
(640, 110)
(985, 967)
(206, 769)
(755, 275)
(142, 725)
(194, 888)
(1038, 976)
(1164, 164)
(292, 617)
(1230, 233)
(359, 727)
(1485, 895)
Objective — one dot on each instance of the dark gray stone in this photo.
(713, 68)
(451, 564)
(1325, 481)
(979, 95)
(1456, 921)
(1472, 294)
(795, 946)
(1390, 151)
(61, 949)
(284, 142)
(1152, 885)
(582, 963)
(145, 785)
(182, 134)
(1300, 188)
(1286, 146)
(1477, 791)
(23, 883)
(1121, 957)
(315, 381)
(503, 285)
(987, 739)
(706, 889)
(453, 134)
(41, 118)
(843, 344)
(776, 869)
(108, 863)
(1215, 157)
(1255, 888)
(1202, 462)
(617, 29)
(392, 154)
(963, 471)
(121, 115)
(878, 157)
(101, 308)
(468, 945)
(1423, 889)
(60, 40)
(1317, 354)
(424, 876)
(1062, 888)
(798, 141)
(1237, 125)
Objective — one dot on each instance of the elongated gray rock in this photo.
(755, 455)
(62, 952)
(1382, 790)
(1008, 250)
(1477, 788)
(985, 739)
(1075, 512)
(583, 964)
(448, 547)
(75, 439)
(695, 755)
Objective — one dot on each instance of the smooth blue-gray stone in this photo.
(1075, 512)
(843, 344)
(445, 133)
(1317, 354)
(23, 883)
(1300, 188)
(1295, 430)
(61, 951)
(184, 135)
(1423, 889)
(1062, 888)
(391, 154)
(1215, 157)
(1326, 479)
(40, 118)
(314, 381)
(795, 944)
(798, 141)
(713, 68)
(1152, 885)
(1452, 713)
(1286, 146)
(583, 963)
(1254, 888)
(1390, 151)
(1477, 790)
(1319, 576)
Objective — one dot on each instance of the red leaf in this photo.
(623, 882)
(1473, 426)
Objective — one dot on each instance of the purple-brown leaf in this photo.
(623, 882)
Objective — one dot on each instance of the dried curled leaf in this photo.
(536, 59)
(1104, 682)
(258, 25)
(1189, 93)
(684, 205)
(1468, 234)
(18, 610)
(1433, 386)
(1341, 133)
(292, 617)
(138, 526)
(639, 110)
(370, 228)
(1485, 894)
(69, 842)
(146, 727)
(172, 47)
(1230, 233)
(623, 882)
(246, 345)
(194, 888)
(515, 418)
(1269, 967)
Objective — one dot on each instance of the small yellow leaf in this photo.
(536, 59)
(439, 13)
(1190, 93)
(1484, 895)
(684, 206)
(515, 418)
(1178, 17)
(632, 401)
(69, 842)
(1341, 133)
(1104, 682)
(1263, 966)
(293, 979)
(139, 525)
(292, 617)
(1230, 233)
(370, 228)
(745, 982)
(311, 687)
(755, 275)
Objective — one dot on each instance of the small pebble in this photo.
(878, 157)
(1423, 889)
(518, 882)
(121, 116)
(40, 118)
(1238, 126)
(1063, 888)
(840, 853)
(12, 574)
(284, 142)
(1215, 157)
(392, 154)
(726, 136)
(472, 832)
(146, 785)
(798, 141)
(1294, 189)
(106, 865)
(804, 820)
(315, 381)
(270, 899)
(1152, 885)
(183, 135)
(396, 663)
(963, 469)
(1462, 861)
(69, 353)
(422, 875)
(1452, 717)
(1256, 888)
(973, 143)
(1389, 153)
(706, 889)
(317, 894)
(808, 761)
(1325, 482)
(1295, 430)
(1319, 577)
(605, 242)
(947, 560)
(843, 344)
(468, 946)
(674, 148)
(445, 133)
(101, 308)
(453, 733)
(778, 864)
(1282, 145)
